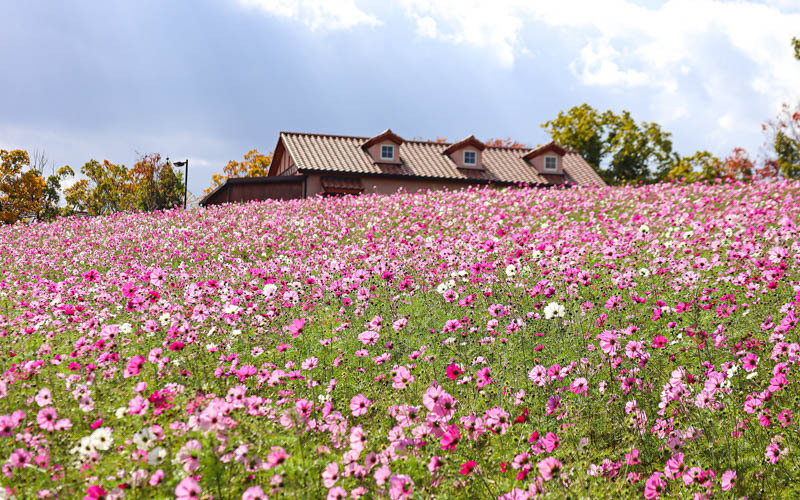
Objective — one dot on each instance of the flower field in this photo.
(614, 342)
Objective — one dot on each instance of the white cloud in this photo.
(599, 67)
(316, 14)
(716, 55)
(426, 27)
(487, 25)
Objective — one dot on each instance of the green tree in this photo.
(582, 129)
(620, 149)
(106, 189)
(796, 44)
(783, 139)
(701, 166)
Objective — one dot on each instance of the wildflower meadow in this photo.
(620, 342)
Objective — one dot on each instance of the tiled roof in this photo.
(333, 153)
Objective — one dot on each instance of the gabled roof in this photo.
(467, 141)
(386, 135)
(550, 146)
(338, 154)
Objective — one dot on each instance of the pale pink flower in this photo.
(187, 489)
(46, 418)
(359, 405)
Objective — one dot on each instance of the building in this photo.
(306, 165)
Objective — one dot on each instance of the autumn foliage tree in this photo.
(254, 164)
(24, 192)
(156, 184)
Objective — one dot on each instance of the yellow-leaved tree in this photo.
(24, 192)
(254, 164)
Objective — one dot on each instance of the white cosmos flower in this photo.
(85, 446)
(101, 439)
(156, 455)
(144, 438)
(554, 310)
(125, 328)
(644, 228)
(511, 270)
(121, 412)
(231, 309)
(269, 290)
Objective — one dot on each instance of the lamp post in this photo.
(184, 164)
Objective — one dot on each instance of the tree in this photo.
(615, 145)
(106, 189)
(581, 129)
(701, 166)
(156, 184)
(254, 164)
(738, 166)
(783, 139)
(796, 44)
(22, 188)
(508, 142)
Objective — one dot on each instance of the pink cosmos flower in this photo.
(368, 337)
(331, 474)
(654, 486)
(95, 492)
(608, 342)
(187, 489)
(579, 386)
(659, 341)
(337, 493)
(750, 362)
(727, 480)
(453, 371)
(44, 397)
(467, 467)
(189, 454)
(46, 418)
(137, 405)
(254, 493)
(359, 405)
(549, 467)
(156, 478)
(400, 487)
(451, 438)
(402, 377)
(482, 378)
(296, 327)
(277, 456)
(382, 474)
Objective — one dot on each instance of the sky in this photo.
(210, 80)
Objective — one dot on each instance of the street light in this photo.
(185, 177)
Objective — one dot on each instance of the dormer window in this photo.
(470, 158)
(384, 148)
(547, 159)
(466, 153)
